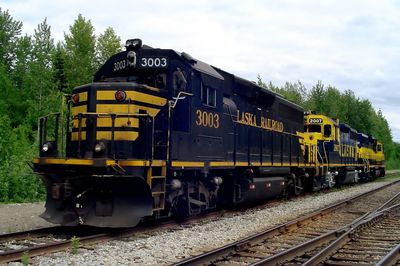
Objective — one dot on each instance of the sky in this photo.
(352, 44)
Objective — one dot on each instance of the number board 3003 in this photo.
(153, 62)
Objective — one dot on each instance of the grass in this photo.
(25, 258)
(75, 244)
(390, 177)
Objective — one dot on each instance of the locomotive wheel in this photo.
(295, 186)
(181, 208)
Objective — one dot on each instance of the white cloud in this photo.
(351, 45)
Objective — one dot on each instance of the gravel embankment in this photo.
(167, 246)
(21, 216)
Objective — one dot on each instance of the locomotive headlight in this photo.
(217, 180)
(46, 147)
(131, 57)
(133, 44)
(99, 147)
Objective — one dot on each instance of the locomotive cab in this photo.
(321, 135)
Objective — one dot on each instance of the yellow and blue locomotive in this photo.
(159, 133)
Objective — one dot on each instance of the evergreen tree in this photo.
(80, 53)
(108, 44)
(10, 30)
(59, 74)
(41, 89)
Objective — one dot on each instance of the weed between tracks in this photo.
(25, 258)
(75, 244)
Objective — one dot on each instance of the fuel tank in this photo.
(260, 188)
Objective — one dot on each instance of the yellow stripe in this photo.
(141, 163)
(118, 135)
(71, 161)
(83, 96)
(216, 164)
(187, 164)
(151, 88)
(107, 122)
(79, 109)
(92, 162)
(75, 122)
(119, 122)
(74, 136)
(220, 164)
(124, 108)
(134, 96)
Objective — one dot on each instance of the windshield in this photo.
(158, 80)
(313, 128)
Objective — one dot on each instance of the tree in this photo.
(80, 52)
(10, 30)
(59, 73)
(316, 101)
(18, 75)
(108, 44)
(40, 88)
(295, 92)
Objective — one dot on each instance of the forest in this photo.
(36, 73)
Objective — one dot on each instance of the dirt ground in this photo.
(21, 216)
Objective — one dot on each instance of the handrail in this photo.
(42, 131)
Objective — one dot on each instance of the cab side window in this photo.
(208, 96)
(327, 130)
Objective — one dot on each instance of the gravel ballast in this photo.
(163, 247)
(21, 216)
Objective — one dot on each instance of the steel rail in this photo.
(94, 238)
(212, 255)
(15, 255)
(391, 258)
(90, 238)
(346, 237)
(25, 234)
(339, 237)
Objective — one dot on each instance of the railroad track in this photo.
(367, 242)
(52, 239)
(287, 243)
(49, 240)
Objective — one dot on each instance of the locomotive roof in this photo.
(241, 86)
(251, 90)
(200, 65)
(347, 127)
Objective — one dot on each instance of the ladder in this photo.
(156, 179)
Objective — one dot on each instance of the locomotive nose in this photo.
(120, 202)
